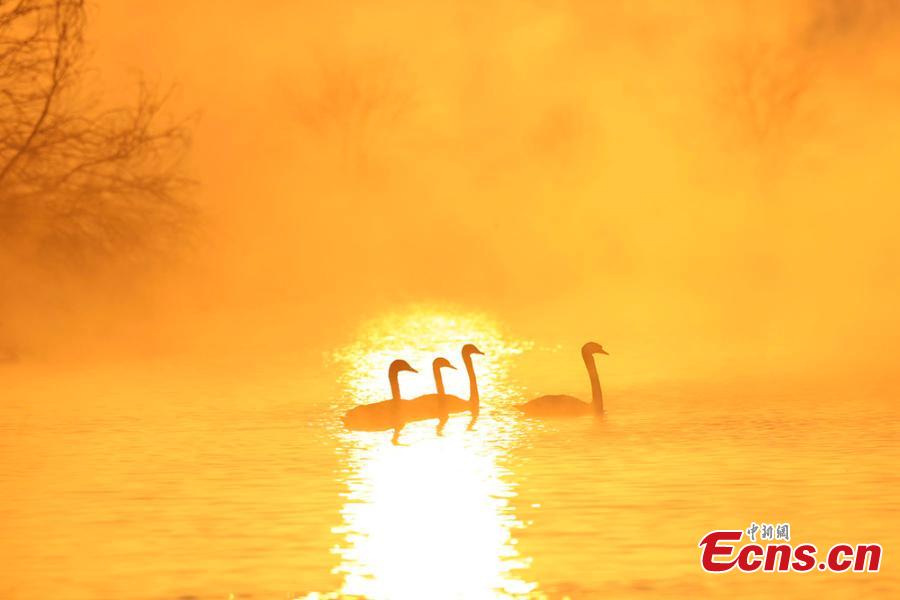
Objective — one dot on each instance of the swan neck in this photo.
(473, 384)
(393, 377)
(596, 392)
(438, 381)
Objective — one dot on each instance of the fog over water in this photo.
(708, 188)
(172, 483)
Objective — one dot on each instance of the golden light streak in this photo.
(412, 510)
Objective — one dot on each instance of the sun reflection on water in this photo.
(430, 518)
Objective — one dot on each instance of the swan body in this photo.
(557, 405)
(429, 406)
(377, 416)
(561, 405)
(384, 415)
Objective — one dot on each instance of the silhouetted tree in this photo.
(354, 104)
(767, 85)
(79, 181)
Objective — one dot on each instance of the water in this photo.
(155, 481)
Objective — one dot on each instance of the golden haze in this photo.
(706, 188)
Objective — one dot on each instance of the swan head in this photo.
(593, 348)
(401, 365)
(470, 349)
(442, 363)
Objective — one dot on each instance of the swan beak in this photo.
(604, 352)
(411, 370)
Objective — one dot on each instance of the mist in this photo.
(708, 190)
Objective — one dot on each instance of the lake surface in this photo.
(161, 481)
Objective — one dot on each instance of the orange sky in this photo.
(707, 188)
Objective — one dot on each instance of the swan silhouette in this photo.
(429, 406)
(569, 406)
(442, 408)
(384, 415)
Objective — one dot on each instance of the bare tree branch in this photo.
(77, 181)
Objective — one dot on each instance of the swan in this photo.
(569, 406)
(442, 408)
(387, 414)
(429, 406)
